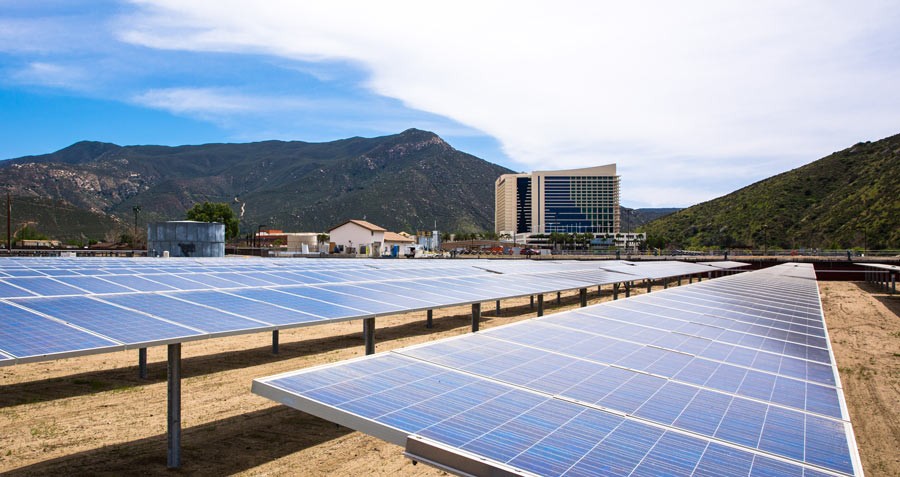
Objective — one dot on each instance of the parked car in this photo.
(531, 251)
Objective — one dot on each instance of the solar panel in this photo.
(593, 392)
(104, 319)
(210, 320)
(26, 335)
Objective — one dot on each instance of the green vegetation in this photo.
(57, 219)
(845, 200)
(405, 181)
(215, 212)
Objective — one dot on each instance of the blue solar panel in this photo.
(138, 283)
(10, 291)
(25, 334)
(264, 312)
(45, 286)
(93, 284)
(331, 294)
(281, 297)
(632, 392)
(184, 313)
(119, 324)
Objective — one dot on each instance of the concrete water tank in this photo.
(186, 239)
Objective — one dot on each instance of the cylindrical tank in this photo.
(187, 238)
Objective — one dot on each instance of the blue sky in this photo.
(691, 99)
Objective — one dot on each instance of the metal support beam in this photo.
(476, 315)
(142, 363)
(429, 319)
(582, 297)
(540, 305)
(369, 335)
(274, 341)
(174, 407)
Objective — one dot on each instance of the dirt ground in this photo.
(864, 327)
(93, 415)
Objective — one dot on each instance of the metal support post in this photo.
(649, 286)
(558, 298)
(893, 283)
(369, 335)
(690, 279)
(679, 280)
(615, 291)
(174, 407)
(699, 278)
(540, 305)
(476, 315)
(274, 341)
(582, 297)
(665, 283)
(142, 363)
(429, 319)
(627, 289)
(599, 291)
(532, 302)
(497, 308)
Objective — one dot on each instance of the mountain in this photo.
(632, 219)
(405, 181)
(61, 221)
(847, 199)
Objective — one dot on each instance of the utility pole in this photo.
(8, 222)
(134, 238)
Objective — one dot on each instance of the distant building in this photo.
(289, 241)
(368, 239)
(186, 238)
(568, 201)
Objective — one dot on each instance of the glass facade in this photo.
(523, 205)
(580, 204)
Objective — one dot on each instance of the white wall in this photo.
(352, 235)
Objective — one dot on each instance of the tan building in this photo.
(568, 201)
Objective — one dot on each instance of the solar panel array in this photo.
(58, 307)
(733, 376)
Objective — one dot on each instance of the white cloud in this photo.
(51, 74)
(650, 85)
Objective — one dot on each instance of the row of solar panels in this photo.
(53, 317)
(728, 377)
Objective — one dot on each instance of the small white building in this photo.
(358, 234)
(405, 242)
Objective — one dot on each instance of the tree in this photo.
(215, 212)
(28, 233)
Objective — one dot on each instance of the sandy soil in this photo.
(864, 327)
(93, 415)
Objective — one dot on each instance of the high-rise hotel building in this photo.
(571, 201)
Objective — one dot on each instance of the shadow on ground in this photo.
(222, 447)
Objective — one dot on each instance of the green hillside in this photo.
(405, 181)
(848, 199)
(60, 221)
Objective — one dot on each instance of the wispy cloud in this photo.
(577, 83)
(52, 75)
